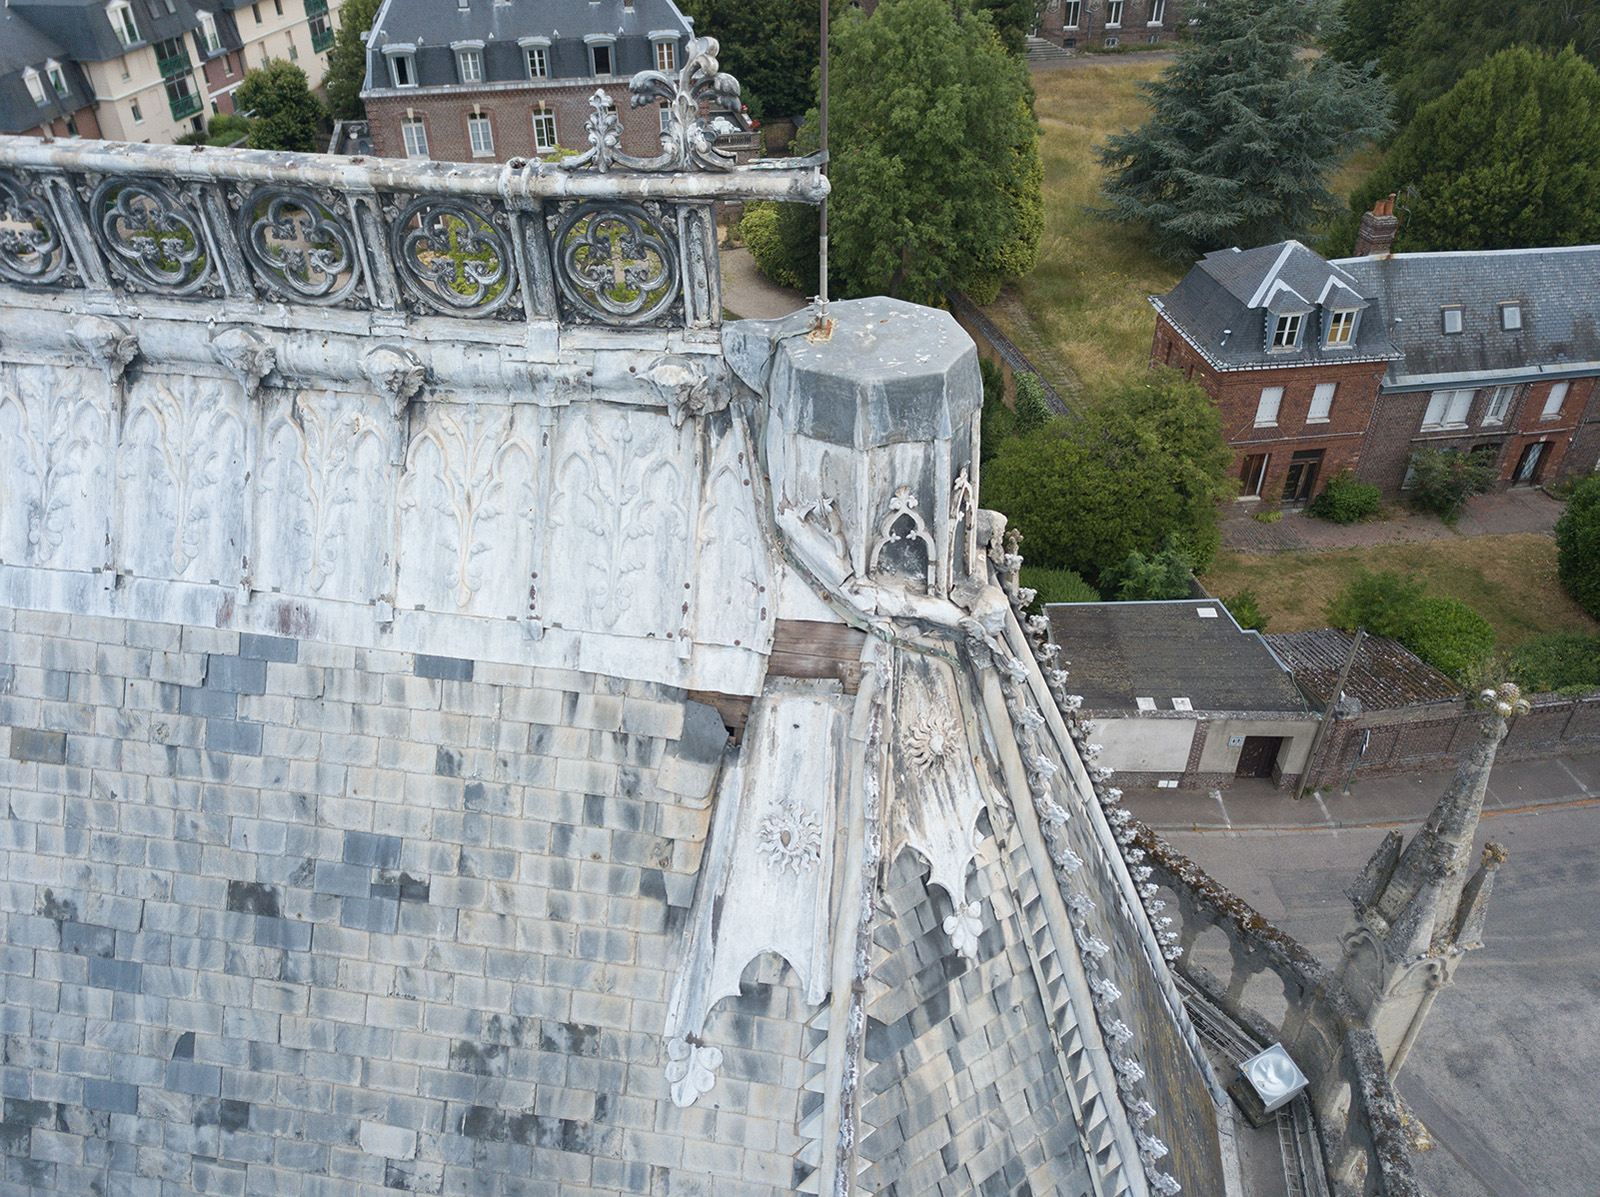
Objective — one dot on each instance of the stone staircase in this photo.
(1046, 53)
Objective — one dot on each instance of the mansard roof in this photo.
(1227, 304)
(1557, 291)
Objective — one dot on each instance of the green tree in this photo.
(1141, 460)
(1242, 133)
(1245, 607)
(770, 46)
(1444, 632)
(224, 129)
(936, 174)
(1578, 546)
(1033, 411)
(1510, 157)
(287, 115)
(1442, 480)
(347, 61)
(1164, 574)
(1380, 602)
(1012, 20)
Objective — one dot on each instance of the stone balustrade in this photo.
(1355, 1103)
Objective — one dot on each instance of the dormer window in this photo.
(666, 57)
(538, 63)
(58, 77)
(1451, 318)
(1287, 333)
(402, 65)
(1511, 316)
(208, 34)
(1341, 327)
(35, 85)
(121, 17)
(469, 65)
(600, 48)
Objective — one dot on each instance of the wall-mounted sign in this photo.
(1235, 741)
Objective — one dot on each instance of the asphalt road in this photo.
(1506, 1073)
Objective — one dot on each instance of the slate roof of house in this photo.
(1385, 675)
(22, 45)
(1226, 307)
(1121, 652)
(1558, 290)
(432, 27)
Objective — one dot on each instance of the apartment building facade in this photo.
(147, 70)
(1107, 24)
(1319, 367)
(487, 80)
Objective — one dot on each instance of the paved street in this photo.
(1505, 1072)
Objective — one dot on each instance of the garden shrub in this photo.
(1346, 501)
(997, 422)
(1032, 409)
(1578, 546)
(1558, 661)
(774, 255)
(1057, 586)
(1450, 636)
(1443, 479)
(1380, 602)
(1245, 608)
(1163, 575)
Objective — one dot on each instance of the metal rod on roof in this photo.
(822, 237)
(1327, 714)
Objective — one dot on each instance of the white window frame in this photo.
(400, 60)
(136, 112)
(1554, 400)
(469, 65)
(1267, 407)
(1499, 405)
(666, 55)
(664, 114)
(1286, 332)
(1448, 409)
(414, 136)
(544, 121)
(35, 85)
(120, 14)
(1511, 315)
(1072, 14)
(1452, 320)
(1114, 14)
(537, 59)
(1158, 12)
(209, 37)
(610, 47)
(480, 135)
(1321, 408)
(1341, 328)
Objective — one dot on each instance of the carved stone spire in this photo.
(1416, 912)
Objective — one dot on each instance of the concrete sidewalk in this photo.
(1520, 509)
(1254, 805)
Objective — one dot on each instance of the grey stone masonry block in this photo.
(114, 1096)
(344, 880)
(86, 939)
(269, 648)
(242, 675)
(212, 704)
(370, 914)
(451, 669)
(124, 975)
(283, 933)
(232, 735)
(704, 734)
(29, 744)
(247, 897)
(378, 851)
(202, 1080)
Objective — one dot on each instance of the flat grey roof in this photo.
(1122, 652)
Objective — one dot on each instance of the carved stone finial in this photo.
(110, 343)
(395, 373)
(247, 355)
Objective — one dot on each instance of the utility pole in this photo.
(1327, 714)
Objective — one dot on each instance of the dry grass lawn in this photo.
(1509, 580)
(1088, 296)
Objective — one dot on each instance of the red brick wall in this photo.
(217, 77)
(1237, 395)
(1135, 28)
(87, 124)
(1397, 429)
(510, 112)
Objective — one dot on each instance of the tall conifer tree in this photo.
(1243, 133)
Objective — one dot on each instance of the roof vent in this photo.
(1206, 612)
(1182, 704)
(1145, 704)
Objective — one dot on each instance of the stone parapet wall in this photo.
(287, 916)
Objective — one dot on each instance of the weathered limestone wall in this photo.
(288, 917)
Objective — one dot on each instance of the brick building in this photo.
(1110, 23)
(1318, 367)
(485, 81)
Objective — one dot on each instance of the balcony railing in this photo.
(321, 41)
(174, 64)
(184, 106)
(600, 238)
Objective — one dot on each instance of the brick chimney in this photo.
(1378, 228)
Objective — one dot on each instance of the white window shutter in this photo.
(1267, 409)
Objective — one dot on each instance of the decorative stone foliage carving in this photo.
(31, 249)
(395, 373)
(964, 927)
(930, 741)
(691, 1070)
(154, 239)
(454, 257)
(108, 343)
(903, 510)
(244, 353)
(616, 262)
